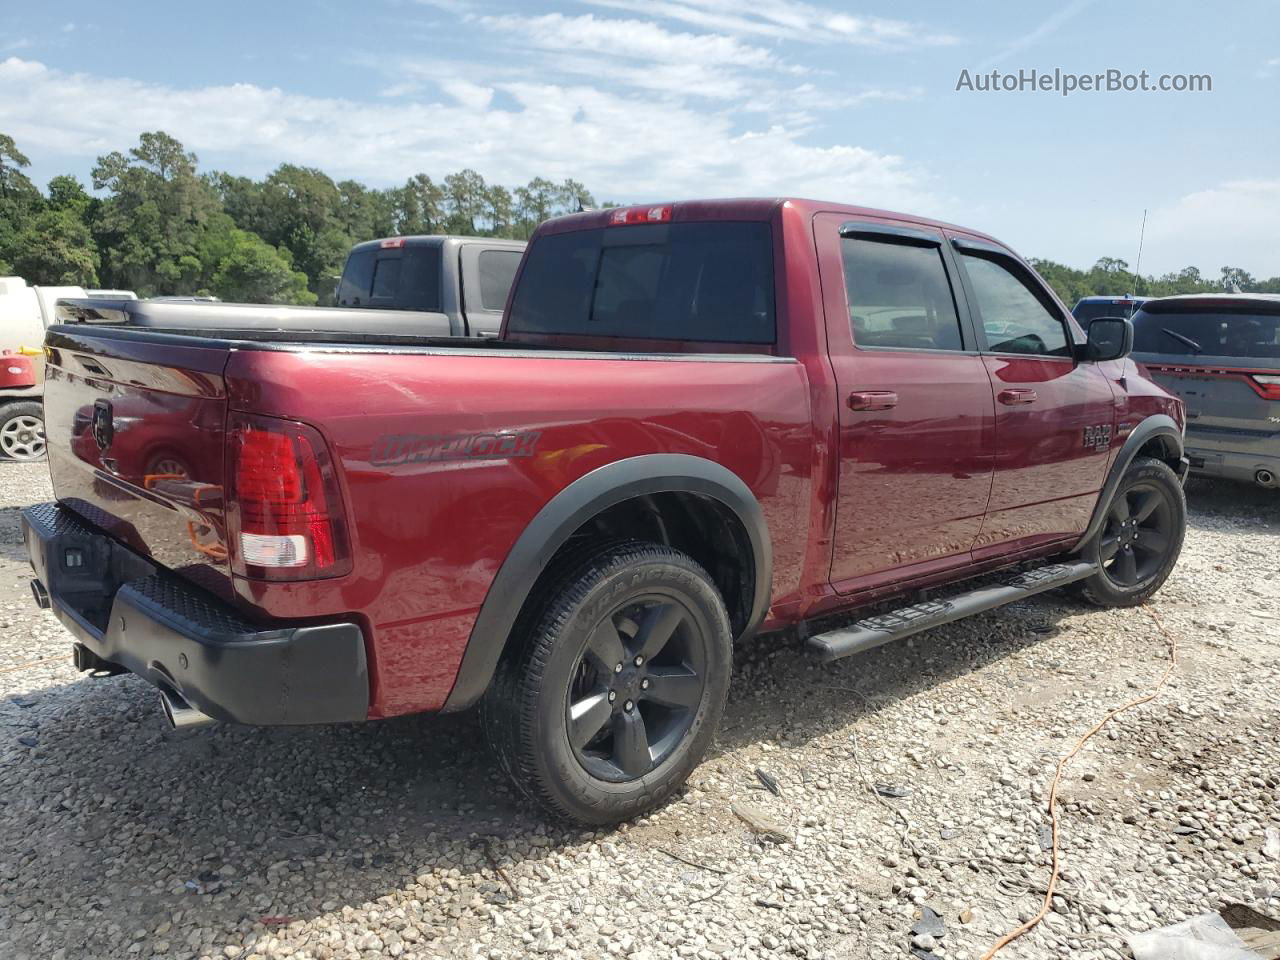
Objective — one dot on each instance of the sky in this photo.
(657, 100)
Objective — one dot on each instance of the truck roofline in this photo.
(438, 240)
(748, 208)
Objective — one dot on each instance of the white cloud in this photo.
(786, 19)
(1268, 68)
(473, 96)
(628, 40)
(1045, 28)
(448, 6)
(1231, 224)
(641, 54)
(623, 147)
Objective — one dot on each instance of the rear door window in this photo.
(899, 296)
(677, 281)
(496, 268)
(1013, 316)
(1214, 333)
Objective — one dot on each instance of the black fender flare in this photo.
(577, 503)
(1157, 425)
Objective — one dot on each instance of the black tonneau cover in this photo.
(203, 315)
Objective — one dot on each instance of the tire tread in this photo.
(509, 710)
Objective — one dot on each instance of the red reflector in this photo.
(625, 215)
(392, 242)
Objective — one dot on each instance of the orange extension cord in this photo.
(1013, 935)
(35, 663)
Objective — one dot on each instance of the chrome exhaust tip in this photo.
(180, 714)
(41, 595)
(1265, 478)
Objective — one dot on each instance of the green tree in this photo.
(66, 193)
(500, 211)
(464, 201)
(55, 248)
(1235, 278)
(534, 203)
(12, 160)
(252, 271)
(20, 200)
(572, 196)
(418, 206)
(151, 223)
(240, 197)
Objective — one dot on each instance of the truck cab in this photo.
(461, 280)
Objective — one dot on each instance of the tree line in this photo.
(156, 225)
(1110, 276)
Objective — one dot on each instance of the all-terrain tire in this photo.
(1144, 529)
(528, 713)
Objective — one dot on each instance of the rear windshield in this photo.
(1093, 309)
(1215, 333)
(397, 278)
(676, 281)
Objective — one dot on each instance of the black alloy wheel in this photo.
(636, 688)
(1140, 539)
(617, 674)
(1137, 535)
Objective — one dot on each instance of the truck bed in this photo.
(445, 449)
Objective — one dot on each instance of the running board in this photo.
(906, 621)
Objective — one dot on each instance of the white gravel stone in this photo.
(122, 839)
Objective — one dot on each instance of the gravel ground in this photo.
(119, 838)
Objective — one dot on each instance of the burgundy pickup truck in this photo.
(701, 421)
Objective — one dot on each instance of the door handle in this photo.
(873, 400)
(1015, 396)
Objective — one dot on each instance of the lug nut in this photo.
(638, 660)
(613, 695)
(628, 706)
(644, 684)
(618, 668)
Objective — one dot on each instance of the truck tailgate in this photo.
(135, 427)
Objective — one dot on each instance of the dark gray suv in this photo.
(1221, 354)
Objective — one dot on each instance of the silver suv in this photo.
(1221, 354)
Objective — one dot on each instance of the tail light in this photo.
(1268, 385)
(284, 512)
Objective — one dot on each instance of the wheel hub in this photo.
(629, 684)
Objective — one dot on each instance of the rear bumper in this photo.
(1233, 465)
(140, 617)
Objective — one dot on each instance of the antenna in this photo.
(1137, 269)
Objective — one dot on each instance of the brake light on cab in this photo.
(628, 215)
(285, 517)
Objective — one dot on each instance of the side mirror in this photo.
(1109, 338)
